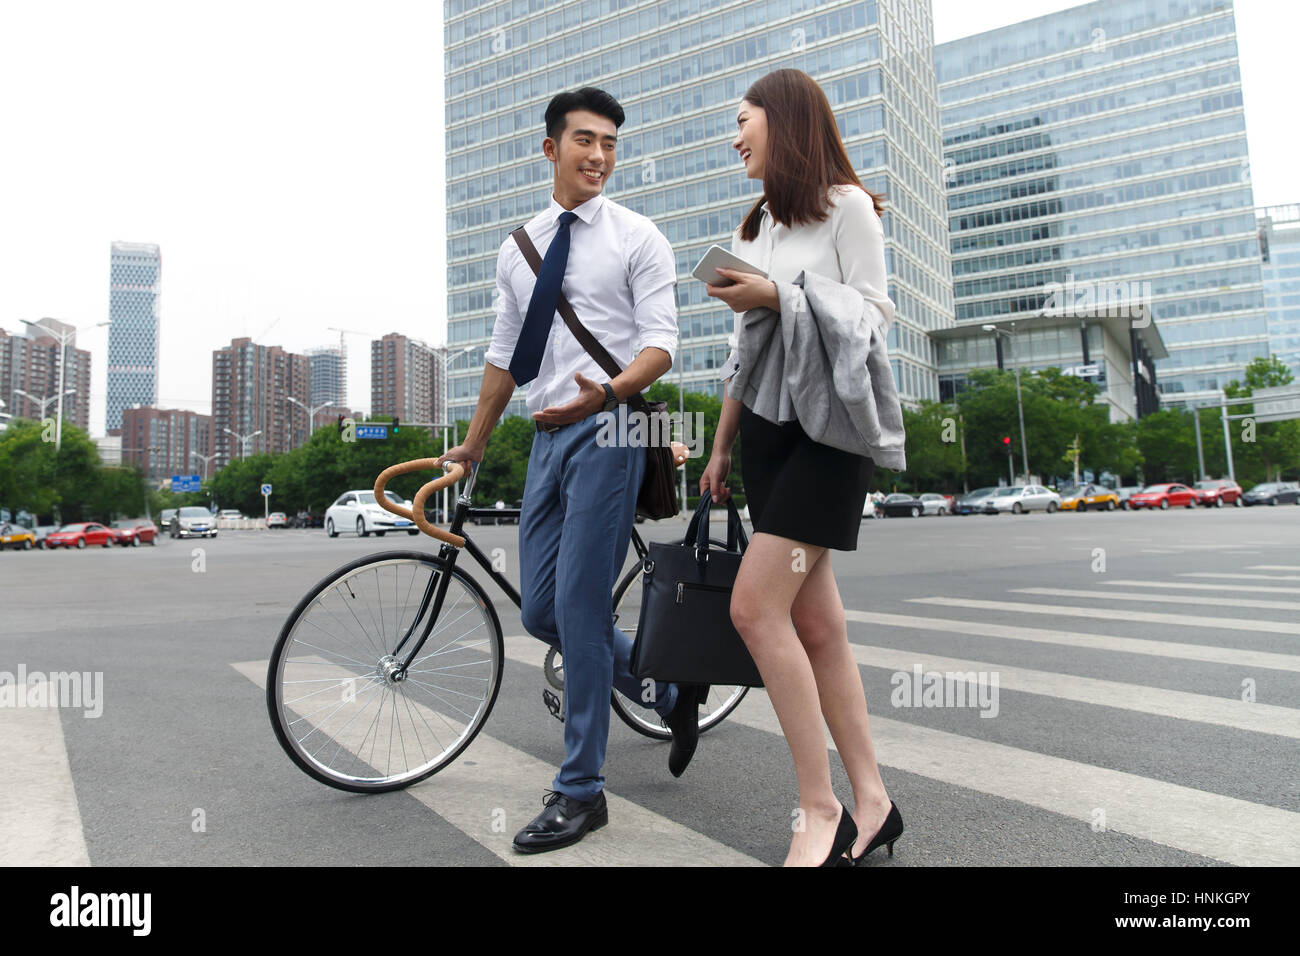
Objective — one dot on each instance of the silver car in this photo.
(193, 523)
(1021, 498)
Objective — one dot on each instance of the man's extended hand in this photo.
(591, 399)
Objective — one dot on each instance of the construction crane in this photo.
(343, 359)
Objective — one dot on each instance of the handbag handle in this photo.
(697, 532)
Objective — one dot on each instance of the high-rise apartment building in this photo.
(329, 376)
(1279, 246)
(405, 379)
(162, 442)
(251, 411)
(29, 373)
(1104, 147)
(135, 276)
(679, 68)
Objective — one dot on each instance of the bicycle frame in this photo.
(436, 589)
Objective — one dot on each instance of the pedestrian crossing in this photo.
(494, 788)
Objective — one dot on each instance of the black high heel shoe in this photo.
(846, 832)
(889, 831)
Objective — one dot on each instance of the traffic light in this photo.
(397, 423)
(340, 424)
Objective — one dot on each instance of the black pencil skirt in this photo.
(799, 488)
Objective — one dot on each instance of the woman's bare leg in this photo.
(764, 591)
(818, 617)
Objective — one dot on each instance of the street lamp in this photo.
(1020, 405)
(243, 440)
(43, 402)
(447, 359)
(205, 459)
(311, 413)
(63, 338)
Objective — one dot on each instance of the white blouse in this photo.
(848, 247)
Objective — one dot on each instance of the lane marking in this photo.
(1214, 599)
(1106, 614)
(1209, 824)
(1128, 645)
(1189, 586)
(40, 821)
(493, 781)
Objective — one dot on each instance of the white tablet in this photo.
(717, 256)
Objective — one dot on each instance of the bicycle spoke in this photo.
(391, 726)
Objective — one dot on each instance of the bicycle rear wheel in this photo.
(722, 700)
(335, 704)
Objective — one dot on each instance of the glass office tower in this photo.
(680, 68)
(135, 276)
(1279, 245)
(1107, 144)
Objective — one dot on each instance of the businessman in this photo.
(618, 272)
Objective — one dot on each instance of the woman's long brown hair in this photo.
(805, 155)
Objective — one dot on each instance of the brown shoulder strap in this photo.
(584, 337)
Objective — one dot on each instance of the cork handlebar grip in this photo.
(416, 512)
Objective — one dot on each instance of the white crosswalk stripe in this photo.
(1189, 586)
(1128, 645)
(1216, 600)
(40, 821)
(1212, 825)
(493, 790)
(1106, 614)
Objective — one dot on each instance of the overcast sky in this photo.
(287, 157)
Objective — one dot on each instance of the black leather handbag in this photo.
(657, 497)
(685, 632)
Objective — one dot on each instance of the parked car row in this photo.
(129, 532)
(1018, 499)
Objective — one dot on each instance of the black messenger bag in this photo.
(685, 634)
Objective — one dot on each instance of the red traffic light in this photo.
(1006, 440)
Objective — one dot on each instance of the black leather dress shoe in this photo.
(564, 822)
(684, 722)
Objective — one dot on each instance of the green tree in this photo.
(1262, 450)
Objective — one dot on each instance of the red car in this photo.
(1217, 492)
(80, 535)
(1163, 497)
(132, 531)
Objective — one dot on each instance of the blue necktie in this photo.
(527, 359)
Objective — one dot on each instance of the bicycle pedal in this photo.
(553, 704)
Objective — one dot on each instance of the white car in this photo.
(936, 504)
(230, 514)
(277, 519)
(1021, 498)
(358, 511)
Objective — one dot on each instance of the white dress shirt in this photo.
(848, 247)
(620, 279)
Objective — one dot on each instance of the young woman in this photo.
(804, 497)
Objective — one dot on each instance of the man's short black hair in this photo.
(588, 98)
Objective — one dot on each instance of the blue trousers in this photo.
(574, 529)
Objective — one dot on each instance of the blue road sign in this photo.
(266, 489)
(185, 483)
(372, 431)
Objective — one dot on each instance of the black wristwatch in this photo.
(611, 400)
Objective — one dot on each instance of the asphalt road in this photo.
(1123, 645)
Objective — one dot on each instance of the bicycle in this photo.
(321, 688)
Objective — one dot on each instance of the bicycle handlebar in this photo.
(416, 512)
(455, 473)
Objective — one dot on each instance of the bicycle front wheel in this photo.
(338, 708)
(722, 700)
